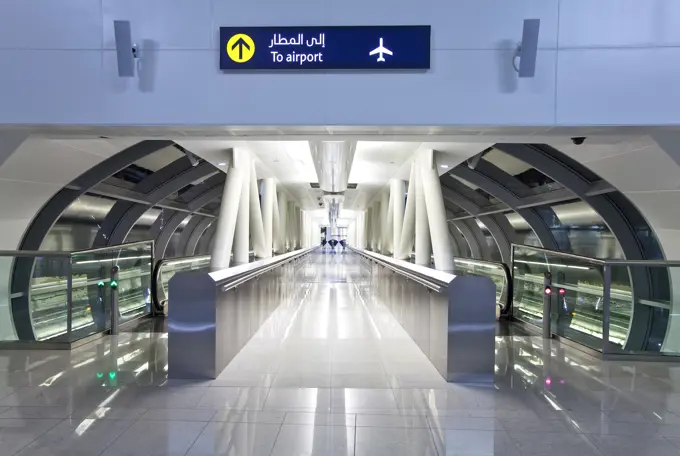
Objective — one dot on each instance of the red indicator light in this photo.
(548, 290)
(562, 291)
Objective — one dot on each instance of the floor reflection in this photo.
(329, 375)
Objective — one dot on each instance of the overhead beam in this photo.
(157, 186)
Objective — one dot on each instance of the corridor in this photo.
(332, 374)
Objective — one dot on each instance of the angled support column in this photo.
(369, 228)
(276, 224)
(268, 197)
(227, 221)
(241, 243)
(283, 221)
(436, 215)
(408, 229)
(256, 225)
(422, 228)
(397, 191)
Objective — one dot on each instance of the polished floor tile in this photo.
(77, 438)
(380, 441)
(333, 373)
(314, 440)
(156, 438)
(235, 439)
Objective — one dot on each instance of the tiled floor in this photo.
(324, 376)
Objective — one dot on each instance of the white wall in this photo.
(599, 62)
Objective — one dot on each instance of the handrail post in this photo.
(69, 298)
(113, 284)
(547, 296)
(606, 303)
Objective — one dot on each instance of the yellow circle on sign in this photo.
(240, 48)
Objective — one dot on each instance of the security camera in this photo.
(578, 141)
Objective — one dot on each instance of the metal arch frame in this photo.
(462, 196)
(474, 237)
(193, 236)
(577, 178)
(505, 188)
(203, 244)
(158, 186)
(459, 239)
(22, 270)
(196, 197)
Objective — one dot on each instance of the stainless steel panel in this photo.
(215, 314)
(451, 318)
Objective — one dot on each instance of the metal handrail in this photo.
(585, 259)
(114, 247)
(409, 275)
(241, 279)
(597, 261)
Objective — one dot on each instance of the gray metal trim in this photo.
(203, 244)
(196, 197)
(169, 229)
(477, 250)
(618, 216)
(510, 191)
(49, 214)
(503, 233)
(195, 235)
(124, 194)
(159, 185)
(459, 239)
(464, 197)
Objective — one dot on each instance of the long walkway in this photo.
(326, 376)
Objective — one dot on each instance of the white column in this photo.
(436, 215)
(409, 226)
(268, 197)
(256, 225)
(423, 246)
(283, 219)
(376, 226)
(242, 234)
(290, 226)
(298, 227)
(227, 219)
(369, 228)
(384, 225)
(276, 225)
(397, 188)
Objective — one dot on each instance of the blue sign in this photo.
(325, 48)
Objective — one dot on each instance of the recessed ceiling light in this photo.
(443, 166)
(222, 164)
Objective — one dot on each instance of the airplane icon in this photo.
(380, 50)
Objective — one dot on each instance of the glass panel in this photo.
(648, 317)
(134, 280)
(48, 296)
(91, 293)
(495, 272)
(171, 267)
(576, 301)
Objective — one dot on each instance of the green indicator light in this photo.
(100, 284)
(100, 375)
(114, 284)
(112, 375)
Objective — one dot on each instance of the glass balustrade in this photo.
(497, 272)
(612, 306)
(166, 269)
(67, 296)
